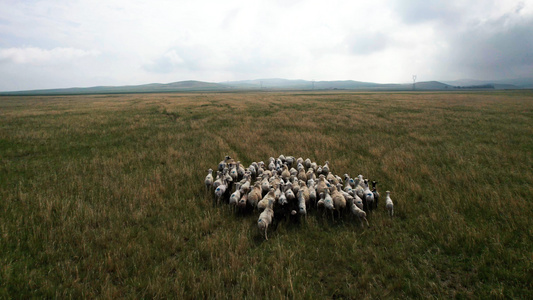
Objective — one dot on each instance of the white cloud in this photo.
(34, 55)
(134, 42)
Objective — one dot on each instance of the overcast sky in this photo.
(67, 43)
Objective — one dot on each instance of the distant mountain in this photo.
(269, 83)
(517, 83)
(181, 86)
(283, 84)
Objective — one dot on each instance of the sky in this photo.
(83, 43)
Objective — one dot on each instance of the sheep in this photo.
(325, 168)
(223, 163)
(302, 175)
(235, 197)
(321, 185)
(331, 178)
(359, 213)
(359, 187)
(305, 189)
(278, 191)
(338, 199)
(209, 179)
(285, 174)
(240, 170)
(260, 168)
(348, 188)
(255, 195)
(368, 197)
(221, 190)
(252, 169)
(283, 198)
(349, 198)
(312, 191)
(290, 160)
(282, 191)
(375, 192)
(307, 163)
(301, 203)
(245, 187)
(310, 174)
(295, 186)
(358, 201)
(227, 176)
(289, 193)
(321, 203)
(263, 203)
(388, 204)
(271, 164)
(218, 180)
(265, 185)
(293, 172)
(233, 172)
(241, 205)
(265, 218)
(328, 202)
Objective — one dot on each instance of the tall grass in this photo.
(103, 196)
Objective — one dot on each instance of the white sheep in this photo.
(241, 205)
(235, 197)
(265, 185)
(358, 201)
(221, 190)
(255, 195)
(389, 205)
(285, 174)
(245, 187)
(301, 203)
(209, 179)
(325, 168)
(265, 218)
(312, 190)
(321, 185)
(376, 193)
(368, 197)
(223, 163)
(338, 199)
(359, 213)
(263, 203)
(328, 202)
(289, 193)
(307, 163)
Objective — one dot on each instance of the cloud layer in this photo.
(59, 43)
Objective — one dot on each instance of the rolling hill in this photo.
(280, 84)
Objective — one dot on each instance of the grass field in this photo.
(103, 196)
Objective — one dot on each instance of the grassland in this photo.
(103, 196)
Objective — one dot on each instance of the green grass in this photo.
(103, 196)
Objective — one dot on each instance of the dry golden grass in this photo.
(103, 196)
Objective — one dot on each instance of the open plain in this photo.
(103, 195)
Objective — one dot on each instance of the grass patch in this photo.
(103, 196)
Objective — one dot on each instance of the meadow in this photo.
(103, 195)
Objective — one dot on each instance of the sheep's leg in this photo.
(366, 222)
(266, 228)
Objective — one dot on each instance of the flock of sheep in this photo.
(285, 188)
